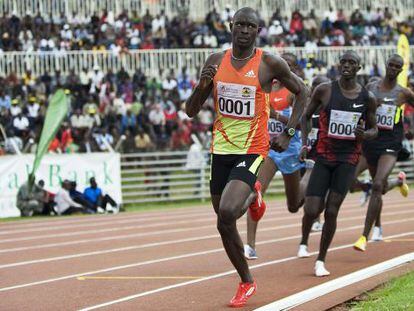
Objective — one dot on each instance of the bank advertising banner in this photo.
(53, 169)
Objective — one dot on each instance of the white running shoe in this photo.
(320, 269)
(303, 251)
(377, 234)
(250, 252)
(100, 210)
(317, 226)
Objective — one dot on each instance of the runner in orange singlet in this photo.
(240, 80)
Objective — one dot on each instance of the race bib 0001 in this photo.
(236, 100)
(386, 116)
(275, 128)
(342, 124)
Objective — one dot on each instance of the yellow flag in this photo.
(403, 49)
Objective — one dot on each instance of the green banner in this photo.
(55, 114)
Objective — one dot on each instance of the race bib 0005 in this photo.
(386, 116)
(236, 100)
(342, 124)
(275, 128)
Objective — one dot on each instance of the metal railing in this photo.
(152, 61)
(196, 8)
(166, 177)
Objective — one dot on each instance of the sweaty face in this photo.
(244, 29)
(394, 67)
(348, 66)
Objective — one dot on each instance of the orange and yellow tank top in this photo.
(242, 109)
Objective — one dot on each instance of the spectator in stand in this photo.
(129, 122)
(99, 200)
(21, 125)
(143, 142)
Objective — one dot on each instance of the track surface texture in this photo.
(174, 259)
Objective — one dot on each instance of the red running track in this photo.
(174, 260)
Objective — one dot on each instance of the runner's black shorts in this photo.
(226, 167)
(373, 154)
(333, 176)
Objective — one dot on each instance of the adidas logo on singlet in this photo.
(250, 74)
(241, 164)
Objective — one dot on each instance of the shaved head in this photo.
(351, 54)
(247, 11)
(396, 57)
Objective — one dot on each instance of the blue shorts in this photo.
(287, 161)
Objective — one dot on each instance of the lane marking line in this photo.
(140, 246)
(71, 234)
(215, 276)
(398, 240)
(315, 292)
(84, 278)
(188, 255)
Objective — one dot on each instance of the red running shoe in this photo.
(258, 207)
(244, 292)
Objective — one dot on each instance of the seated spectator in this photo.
(30, 202)
(129, 121)
(95, 196)
(65, 205)
(80, 198)
(104, 139)
(21, 125)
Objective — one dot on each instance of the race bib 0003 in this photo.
(342, 124)
(236, 100)
(386, 116)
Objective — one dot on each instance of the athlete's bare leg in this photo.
(312, 209)
(379, 175)
(357, 184)
(237, 195)
(266, 173)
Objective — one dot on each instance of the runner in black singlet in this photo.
(346, 117)
(381, 153)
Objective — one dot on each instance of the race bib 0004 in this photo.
(386, 116)
(342, 124)
(236, 100)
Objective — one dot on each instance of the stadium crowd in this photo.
(134, 112)
(114, 110)
(130, 30)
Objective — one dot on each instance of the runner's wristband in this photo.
(305, 147)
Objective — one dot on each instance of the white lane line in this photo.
(134, 247)
(115, 229)
(341, 282)
(188, 255)
(103, 223)
(140, 246)
(134, 218)
(66, 220)
(215, 276)
(133, 235)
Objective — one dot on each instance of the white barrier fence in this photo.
(168, 176)
(197, 8)
(54, 168)
(152, 61)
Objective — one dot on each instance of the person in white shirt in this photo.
(184, 93)
(21, 124)
(169, 83)
(64, 203)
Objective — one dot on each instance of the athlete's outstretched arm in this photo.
(293, 83)
(314, 104)
(371, 130)
(204, 87)
(408, 97)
